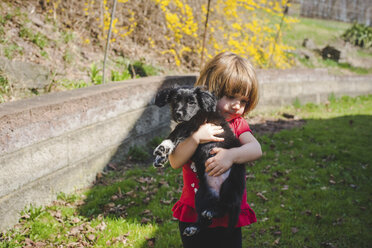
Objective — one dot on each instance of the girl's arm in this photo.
(184, 150)
(224, 158)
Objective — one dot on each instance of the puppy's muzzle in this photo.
(178, 114)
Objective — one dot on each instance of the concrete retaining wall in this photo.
(278, 87)
(58, 142)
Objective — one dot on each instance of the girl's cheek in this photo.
(219, 106)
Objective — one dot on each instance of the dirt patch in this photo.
(269, 125)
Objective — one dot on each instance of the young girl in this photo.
(233, 80)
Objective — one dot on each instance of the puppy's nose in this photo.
(178, 114)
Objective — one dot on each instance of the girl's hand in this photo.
(220, 163)
(206, 133)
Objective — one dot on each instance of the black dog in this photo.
(190, 108)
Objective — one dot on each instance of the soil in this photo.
(270, 125)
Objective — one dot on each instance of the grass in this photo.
(316, 179)
(342, 65)
(326, 31)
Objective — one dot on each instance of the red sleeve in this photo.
(239, 125)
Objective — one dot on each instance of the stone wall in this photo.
(341, 10)
(58, 142)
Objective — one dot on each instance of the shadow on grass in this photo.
(315, 177)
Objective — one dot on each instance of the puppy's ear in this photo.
(163, 97)
(207, 100)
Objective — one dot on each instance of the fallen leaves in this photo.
(338, 221)
(150, 242)
(285, 187)
(328, 245)
(276, 242)
(57, 215)
(28, 243)
(122, 239)
(166, 202)
(260, 195)
(145, 220)
(102, 226)
(294, 230)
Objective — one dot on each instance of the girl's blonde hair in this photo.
(227, 74)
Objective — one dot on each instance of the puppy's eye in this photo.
(191, 101)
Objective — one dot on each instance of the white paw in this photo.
(164, 149)
(207, 214)
(190, 231)
(161, 152)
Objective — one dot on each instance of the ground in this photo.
(269, 125)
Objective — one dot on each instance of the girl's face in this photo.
(231, 107)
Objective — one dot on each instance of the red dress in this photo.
(184, 209)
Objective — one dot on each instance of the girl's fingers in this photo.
(218, 139)
(220, 172)
(214, 171)
(219, 131)
(215, 150)
(208, 163)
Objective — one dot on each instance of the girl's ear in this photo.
(207, 100)
(163, 97)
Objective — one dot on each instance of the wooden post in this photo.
(204, 35)
(108, 41)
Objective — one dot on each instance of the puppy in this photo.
(216, 196)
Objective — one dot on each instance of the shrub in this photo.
(359, 35)
(155, 142)
(138, 154)
(95, 74)
(117, 76)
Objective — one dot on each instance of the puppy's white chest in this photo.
(216, 182)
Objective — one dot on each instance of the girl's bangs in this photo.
(236, 87)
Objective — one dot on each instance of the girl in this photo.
(233, 80)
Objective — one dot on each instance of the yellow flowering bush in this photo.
(249, 28)
(175, 28)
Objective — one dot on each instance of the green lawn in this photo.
(315, 178)
(322, 32)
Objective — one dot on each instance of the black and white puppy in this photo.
(216, 196)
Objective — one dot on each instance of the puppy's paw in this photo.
(164, 149)
(160, 161)
(161, 152)
(190, 231)
(207, 214)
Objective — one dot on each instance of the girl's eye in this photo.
(244, 102)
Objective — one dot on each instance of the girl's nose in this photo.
(235, 104)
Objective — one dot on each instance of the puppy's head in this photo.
(185, 102)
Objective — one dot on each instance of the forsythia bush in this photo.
(251, 29)
(174, 28)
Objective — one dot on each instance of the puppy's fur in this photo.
(216, 196)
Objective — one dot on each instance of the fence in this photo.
(341, 10)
